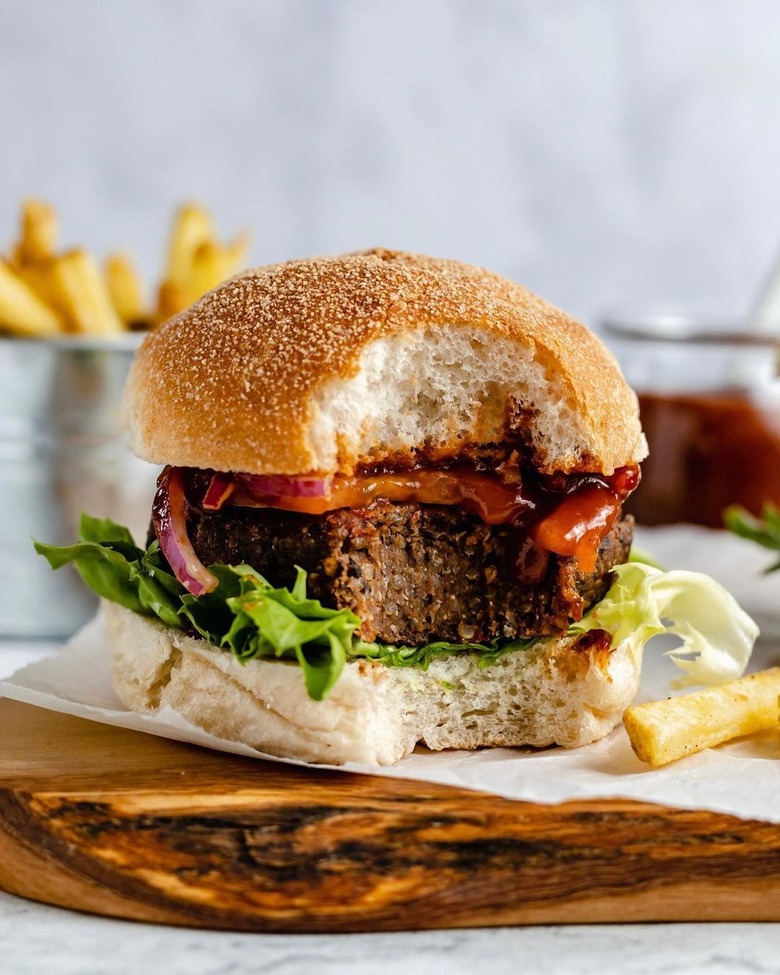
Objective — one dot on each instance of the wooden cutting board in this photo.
(123, 824)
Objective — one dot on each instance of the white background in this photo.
(614, 152)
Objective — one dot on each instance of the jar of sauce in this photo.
(709, 402)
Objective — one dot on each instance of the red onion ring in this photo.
(284, 486)
(219, 490)
(169, 517)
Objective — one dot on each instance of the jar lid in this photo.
(696, 330)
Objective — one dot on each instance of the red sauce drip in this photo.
(579, 524)
(598, 640)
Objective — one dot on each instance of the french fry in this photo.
(213, 263)
(170, 301)
(663, 731)
(40, 278)
(237, 253)
(83, 293)
(207, 269)
(21, 311)
(124, 287)
(192, 227)
(45, 292)
(196, 262)
(39, 231)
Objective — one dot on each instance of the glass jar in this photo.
(710, 407)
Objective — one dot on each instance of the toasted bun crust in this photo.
(319, 365)
(552, 693)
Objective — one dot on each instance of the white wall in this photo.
(611, 151)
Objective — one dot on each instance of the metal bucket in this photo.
(62, 451)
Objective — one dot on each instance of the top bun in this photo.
(320, 365)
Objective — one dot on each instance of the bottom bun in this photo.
(554, 692)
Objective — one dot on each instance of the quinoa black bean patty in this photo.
(410, 571)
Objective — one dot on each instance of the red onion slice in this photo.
(284, 486)
(170, 525)
(219, 490)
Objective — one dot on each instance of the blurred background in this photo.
(606, 154)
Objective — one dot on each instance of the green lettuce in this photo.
(422, 656)
(247, 616)
(764, 531)
(717, 635)
(112, 565)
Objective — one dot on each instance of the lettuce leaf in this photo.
(112, 565)
(244, 614)
(717, 635)
(285, 624)
(250, 618)
(763, 531)
(421, 657)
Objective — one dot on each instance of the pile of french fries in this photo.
(46, 293)
(663, 731)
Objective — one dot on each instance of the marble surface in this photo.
(39, 939)
(36, 938)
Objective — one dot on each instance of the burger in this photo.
(390, 513)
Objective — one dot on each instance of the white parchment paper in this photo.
(741, 778)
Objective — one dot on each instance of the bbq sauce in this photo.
(707, 451)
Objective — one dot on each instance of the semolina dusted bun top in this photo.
(320, 365)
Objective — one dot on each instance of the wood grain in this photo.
(118, 823)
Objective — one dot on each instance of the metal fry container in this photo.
(62, 451)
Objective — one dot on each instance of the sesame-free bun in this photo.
(553, 692)
(319, 365)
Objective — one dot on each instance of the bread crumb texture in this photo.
(318, 365)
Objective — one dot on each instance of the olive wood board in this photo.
(118, 823)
